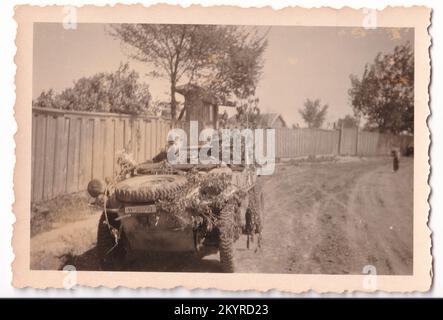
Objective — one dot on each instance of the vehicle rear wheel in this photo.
(226, 244)
(111, 256)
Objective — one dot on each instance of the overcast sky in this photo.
(300, 63)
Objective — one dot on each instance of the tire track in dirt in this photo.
(302, 204)
(382, 210)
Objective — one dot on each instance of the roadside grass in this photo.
(52, 214)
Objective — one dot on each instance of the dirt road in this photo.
(329, 218)
(335, 218)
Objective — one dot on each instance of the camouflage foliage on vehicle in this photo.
(202, 201)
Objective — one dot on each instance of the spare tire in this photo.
(149, 188)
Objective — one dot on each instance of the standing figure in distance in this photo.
(395, 162)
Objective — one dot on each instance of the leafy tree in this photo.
(385, 93)
(46, 99)
(313, 113)
(347, 122)
(119, 92)
(239, 64)
(225, 59)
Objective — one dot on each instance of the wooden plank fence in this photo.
(293, 143)
(69, 148)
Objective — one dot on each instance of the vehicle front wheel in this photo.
(111, 255)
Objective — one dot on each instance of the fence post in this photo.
(340, 139)
(357, 133)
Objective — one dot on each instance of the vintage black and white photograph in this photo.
(105, 196)
(221, 148)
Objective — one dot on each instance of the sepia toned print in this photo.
(227, 154)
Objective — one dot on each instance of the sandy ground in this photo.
(328, 218)
(337, 218)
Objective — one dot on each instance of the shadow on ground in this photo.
(153, 262)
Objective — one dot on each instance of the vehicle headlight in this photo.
(96, 188)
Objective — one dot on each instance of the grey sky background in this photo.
(300, 63)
